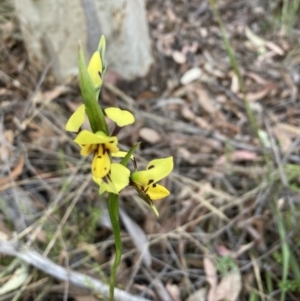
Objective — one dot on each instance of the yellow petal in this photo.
(101, 162)
(119, 175)
(121, 154)
(95, 69)
(87, 149)
(101, 188)
(120, 117)
(112, 145)
(156, 170)
(157, 192)
(115, 181)
(87, 137)
(76, 120)
(99, 181)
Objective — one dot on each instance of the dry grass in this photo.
(232, 218)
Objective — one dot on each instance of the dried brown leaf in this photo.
(6, 145)
(174, 291)
(149, 135)
(179, 57)
(203, 123)
(275, 48)
(47, 96)
(223, 250)
(6, 29)
(237, 156)
(257, 42)
(254, 96)
(205, 101)
(211, 277)
(285, 134)
(199, 295)
(187, 113)
(257, 78)
(15, 172)
(290, 128)
(5, 232)
(230, 287)
(210, 67)
(191, 75)
(234, 87)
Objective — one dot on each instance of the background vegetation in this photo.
(223, 99)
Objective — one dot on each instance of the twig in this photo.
(277, 155)
(47, 266)
(290, 150)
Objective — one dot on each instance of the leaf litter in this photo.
(189, 106)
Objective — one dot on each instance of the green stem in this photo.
(113, 208)
(285, 251)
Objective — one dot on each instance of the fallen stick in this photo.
(48, 267)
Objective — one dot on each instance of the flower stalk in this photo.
(113, 209)
(110, 175)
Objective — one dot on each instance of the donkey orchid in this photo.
(111, 177)
(145, 181)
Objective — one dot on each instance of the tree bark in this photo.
(52, 28)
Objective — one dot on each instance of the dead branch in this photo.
(47, 266)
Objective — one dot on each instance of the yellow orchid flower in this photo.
(102, 145)
(111, 177)
(115, 180)
(145, 181)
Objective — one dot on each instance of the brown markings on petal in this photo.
(149, 199)
(154, 185)
(134, 163)
(99, 157)
(150, 182)
(112, 141)
(100, 74)
(151, 166)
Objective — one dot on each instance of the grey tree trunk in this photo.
(52, 28)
